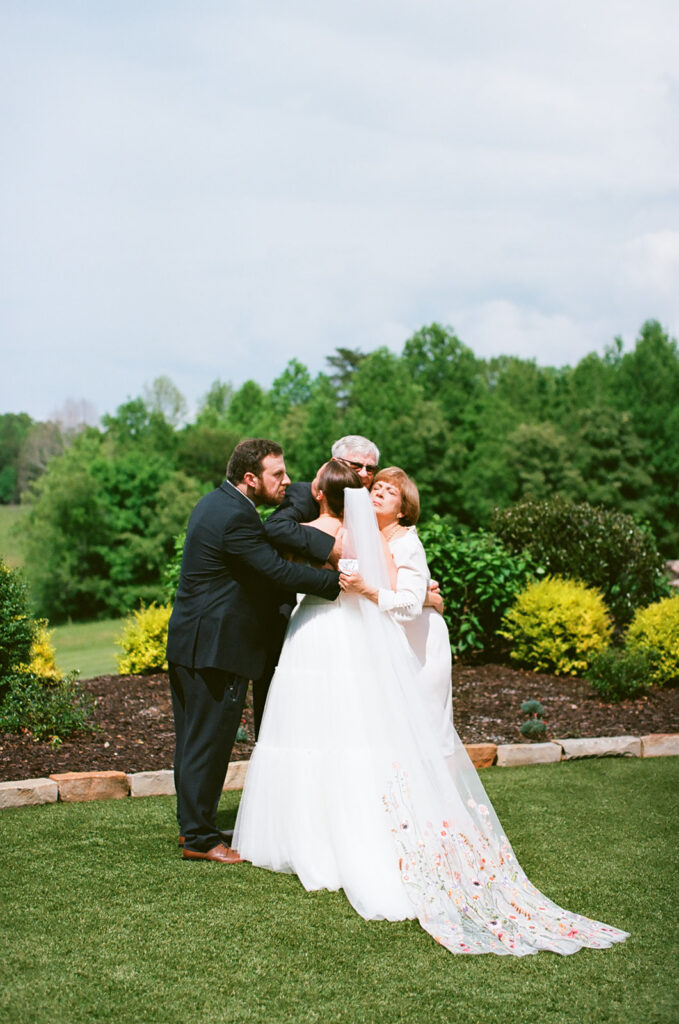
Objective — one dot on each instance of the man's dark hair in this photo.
(247, 457)
(332, 480)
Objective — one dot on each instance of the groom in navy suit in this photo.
(223, 623)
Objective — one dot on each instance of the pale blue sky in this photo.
(206, 190)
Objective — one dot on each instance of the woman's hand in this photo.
(433, 598)
(355, 584)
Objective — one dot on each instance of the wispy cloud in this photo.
(209, 191)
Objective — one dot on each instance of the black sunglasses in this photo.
(358, 466)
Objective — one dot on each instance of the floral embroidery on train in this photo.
(469, 891)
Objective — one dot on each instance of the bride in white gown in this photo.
(350, 787)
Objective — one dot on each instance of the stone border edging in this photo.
(78, 787)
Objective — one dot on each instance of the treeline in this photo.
(476, 434)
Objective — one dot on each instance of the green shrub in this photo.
(170, 575)
(18, 628)
(655, 631)
(144, 639)
(533, 727)
(479, 579)
(617, 673)
(557, 625)
(46, 708)
(605, 549)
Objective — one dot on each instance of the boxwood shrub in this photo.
(608, 550)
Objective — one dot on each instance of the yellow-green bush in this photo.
(144, 639)
(43, 661)
(557, 625)
(655, 631)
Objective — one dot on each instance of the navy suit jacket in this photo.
(231, 583)
(298, 506)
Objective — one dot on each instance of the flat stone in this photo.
(27, 792)
(235, 776)
(601, 746)
(159, 783)
(660, 744)
(482, 755)
(80, 786)
(510, 754)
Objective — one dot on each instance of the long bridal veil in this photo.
(456, 864)
(352, 787)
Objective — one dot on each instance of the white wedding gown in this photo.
(350, 786)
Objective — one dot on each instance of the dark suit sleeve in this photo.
(245, 540)
(284, 530)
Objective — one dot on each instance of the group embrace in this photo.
(358, 780)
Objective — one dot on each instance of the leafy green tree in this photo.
(43, 442)
(320, 426)
(14, 429)
(203, 451)
(66, 537)
(345, 362)
(291, 388)
(387, 405)
(250, 413)
(539, 455)
(647, 386)
(101, 528)
(612, 462)
(214, 405)
(446, 370)
(165, 399)
(135, 425)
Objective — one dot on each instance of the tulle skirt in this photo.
(350, 787)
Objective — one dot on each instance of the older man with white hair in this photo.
(300, 505)
(359, 454)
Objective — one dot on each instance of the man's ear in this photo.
(251, 479)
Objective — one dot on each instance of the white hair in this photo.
(354, 444)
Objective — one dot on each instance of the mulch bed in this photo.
(134, 733)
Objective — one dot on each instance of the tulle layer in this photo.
(350, 786)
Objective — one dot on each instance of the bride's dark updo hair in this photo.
(332, 480)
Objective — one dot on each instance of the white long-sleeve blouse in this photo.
(412, 578)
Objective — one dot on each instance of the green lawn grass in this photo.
(11, 550)
(102, 921)
(89, 647)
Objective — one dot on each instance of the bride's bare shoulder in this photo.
(326, 523)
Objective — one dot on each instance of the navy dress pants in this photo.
(208, 705)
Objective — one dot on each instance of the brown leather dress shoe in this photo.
(221, 853)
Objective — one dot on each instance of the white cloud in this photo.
(653, 263)
(503, 328)
(209, 192)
